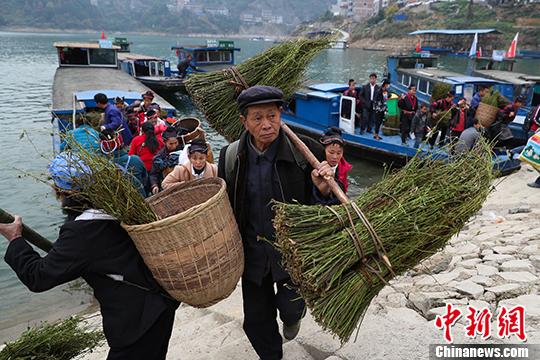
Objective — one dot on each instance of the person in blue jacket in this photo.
(114, 120)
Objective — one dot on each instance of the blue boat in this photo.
(214, 56)
(403, 71)
(424, 73)
(323, 105)
(85, 69)
(153, 72)
(522, 84)
(456, 42)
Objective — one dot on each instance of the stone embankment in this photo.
(494, 261)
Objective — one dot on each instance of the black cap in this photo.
(150, 112)
(259, 94)
(149, 94)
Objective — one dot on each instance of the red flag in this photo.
(103, 37)
(479, 52)
(511, 53)
(418, 46)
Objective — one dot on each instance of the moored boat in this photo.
(323, 105)
(85, 69)
(152, 71)
(215, 55)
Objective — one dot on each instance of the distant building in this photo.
(342, 8)
(364, 9)
(217, 11)
(196, 9)
(248, 18)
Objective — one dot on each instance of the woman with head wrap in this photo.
(333, 148)
(197, 167)
(137, 314)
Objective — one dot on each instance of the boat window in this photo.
(405, 79)
(142, 68)
(423, 86)
(346, 108)
(200, 56)
(102, 57)
(413, 81)
(214, 56)
(226, 56)
(429, 88)
(73, 56)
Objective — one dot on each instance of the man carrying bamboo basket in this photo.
(263, 165)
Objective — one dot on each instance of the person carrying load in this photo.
(138, 315)
(262, 166)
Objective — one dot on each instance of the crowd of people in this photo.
(146, 147)
(442, 122)
(262, 166)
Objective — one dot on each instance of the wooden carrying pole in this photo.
(304, 150)
(30, 235)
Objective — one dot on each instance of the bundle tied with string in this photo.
(282, 66)
(340, 257)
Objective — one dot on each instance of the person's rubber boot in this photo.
(290, 331)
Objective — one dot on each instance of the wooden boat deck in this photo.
(69, 80)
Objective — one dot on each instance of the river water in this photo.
(26, 75)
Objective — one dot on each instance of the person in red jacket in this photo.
(147, 145)
(333, 148)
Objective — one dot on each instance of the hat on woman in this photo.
(331, 136)
(67, 170)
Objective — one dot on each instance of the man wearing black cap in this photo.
(262, 166)
(368, 96)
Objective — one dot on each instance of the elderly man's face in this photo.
(263, 122)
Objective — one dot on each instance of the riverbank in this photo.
(494, 261)
(37, 30)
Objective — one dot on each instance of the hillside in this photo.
(200, 16)
(385, 31)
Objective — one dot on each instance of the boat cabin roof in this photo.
(80, 81)
(135, 57)
(510, 76)
(456, 31)
(329, 87)
(82, 45)
(204, 48)
(446, 76)
(111, 94)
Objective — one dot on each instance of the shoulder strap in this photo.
(230, 159)
(298, 158)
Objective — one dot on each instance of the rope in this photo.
(238, 80)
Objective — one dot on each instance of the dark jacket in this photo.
(419, 123)
(365, 96)
(114, 120)
(91, 249)
(164, 159)
(291, 181)
(408, 108)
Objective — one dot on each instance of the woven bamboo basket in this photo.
(486, 114)
(193, 126)
(195, 250)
